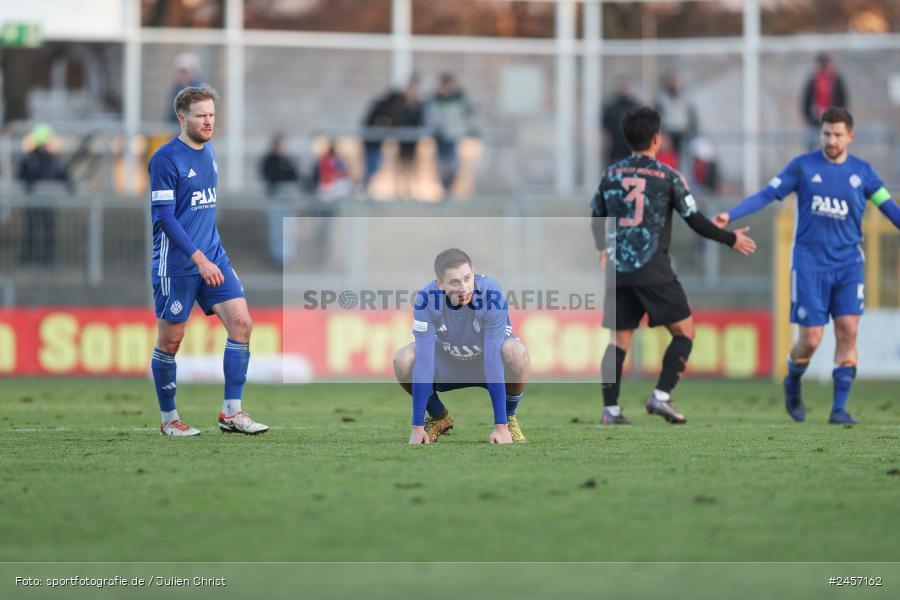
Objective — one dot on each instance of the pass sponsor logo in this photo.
(830, 207)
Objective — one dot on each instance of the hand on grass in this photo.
(500, 435)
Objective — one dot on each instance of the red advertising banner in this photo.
(335, 344)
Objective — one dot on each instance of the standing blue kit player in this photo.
(189, 264)
(832, 189)
(463, 338)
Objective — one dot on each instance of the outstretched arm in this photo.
(736, 240)
(882, 199)
(704, 227)
(890, 209)
(779, 187)
(751, 204)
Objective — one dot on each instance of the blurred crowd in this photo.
(684, 145)
(409, 144)
(408, 147)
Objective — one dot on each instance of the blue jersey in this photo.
(831, 199)
(460, 345)
(460, 333)
(187, 178)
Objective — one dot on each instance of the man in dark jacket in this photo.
(40, 165)
(611, 119)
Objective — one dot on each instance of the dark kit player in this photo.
(641, 193)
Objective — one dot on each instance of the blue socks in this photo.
(512, 402)
(434, 406)
(843, 377)
(164, 374)
(795, 372)
(237, 357)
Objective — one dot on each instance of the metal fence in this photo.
(58, 248)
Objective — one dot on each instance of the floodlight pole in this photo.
(234, 92)
(751, 95)
(592, 77)
(131, 91)
(565, 96)
(401, 32)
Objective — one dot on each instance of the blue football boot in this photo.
(793, 402)
(841, 417)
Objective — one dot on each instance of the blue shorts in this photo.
(451, 377)
(816, 295)
(175, 296)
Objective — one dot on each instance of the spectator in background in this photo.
(277, 168)
(187, 68)
(824, 88)
(331, 177)
(667, 154)
(331, 180)
(41, 164)
(281, 177)
(448, 115)
(384, 114)
(411, 120)
(679, 118)
(704, 166)
(611, 121)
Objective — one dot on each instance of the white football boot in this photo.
(240, 422)
(178, 429)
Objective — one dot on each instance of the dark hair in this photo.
(450, 259)
(192, 95)
(639, 125)
(836, 114)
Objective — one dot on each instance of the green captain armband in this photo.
(880, 197)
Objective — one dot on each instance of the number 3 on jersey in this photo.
(635, 187)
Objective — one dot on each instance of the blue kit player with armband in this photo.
(189, 264)
(832, 190)
(463, 338)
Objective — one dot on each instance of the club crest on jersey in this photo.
(476, 326)
(855, 181)
(830, 207)
(176, 307)
(203, 198)
(462, 352)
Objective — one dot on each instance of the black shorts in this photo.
(665, 303)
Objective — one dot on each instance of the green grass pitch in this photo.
(87, 477)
